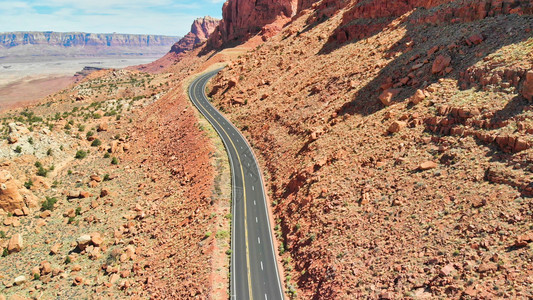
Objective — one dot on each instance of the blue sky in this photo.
(168, 17)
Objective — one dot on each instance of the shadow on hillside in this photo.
(497, 31)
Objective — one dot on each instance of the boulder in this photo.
(448, 270)
(96, 178)
(55, 249)
(396, 126)
(475, 39)
(102, 127)
(104, 192)
(96, 239)
(387, 95)
(232, 82)
(15, 243)
(20, 280)
(12, 139)
(83, 241)
(46, 268)
(10, 197)
(527, 88)
(418, 97)
(428, 165)
(73, 194)
(440, 63)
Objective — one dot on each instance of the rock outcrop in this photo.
(527, 89)
(10, 198)
(201, 29)
(243, 19)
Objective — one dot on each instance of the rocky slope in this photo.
(201, 29)
(78, 43)
(112, 188)
(396, 141)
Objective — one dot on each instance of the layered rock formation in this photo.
(81, 39)
(201, 29)
(243, 19)
(15, 44)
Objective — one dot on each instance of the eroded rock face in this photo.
(201, 29)
(242, 19)
(10, 198)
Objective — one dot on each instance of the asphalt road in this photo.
(254, 271)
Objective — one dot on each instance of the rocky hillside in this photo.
(396, 141)
(64, 43)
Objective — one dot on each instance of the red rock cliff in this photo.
(244, 18)
(201, 29)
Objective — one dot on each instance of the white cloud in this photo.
(169, 17)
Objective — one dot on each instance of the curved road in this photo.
(254, 271)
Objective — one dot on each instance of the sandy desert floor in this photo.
(23, 80)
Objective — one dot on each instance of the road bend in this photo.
(254, 271)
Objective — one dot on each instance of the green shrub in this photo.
(42, 172)
(5, 253)
(48, 204)
(114, 161)
(107, 155)
(30, 140)
(80, 154)
(49, 152)
(2, 234)
(89, 133)
(38, 164)
(18, 149)
(28, 184)
(107, 177)
(96, 143)
(222, 234)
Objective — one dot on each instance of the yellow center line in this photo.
(244, 192)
